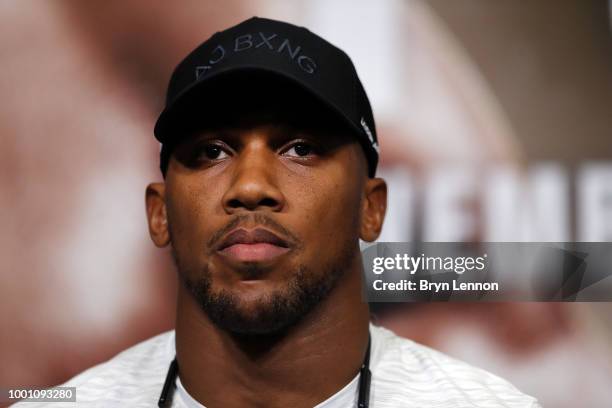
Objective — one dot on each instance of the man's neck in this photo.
(301, 368)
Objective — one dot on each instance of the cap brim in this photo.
(201, 96)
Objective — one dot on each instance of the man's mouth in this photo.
(253, 245)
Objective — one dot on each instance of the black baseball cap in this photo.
(259, 50)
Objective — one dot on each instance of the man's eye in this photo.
(300, 150)
(213, 152)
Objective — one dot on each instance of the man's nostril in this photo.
(268, 202)
(234, 203)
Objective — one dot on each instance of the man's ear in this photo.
(373, 209)
(156, 214)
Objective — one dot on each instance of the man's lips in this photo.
(253, 252)
(253, 246)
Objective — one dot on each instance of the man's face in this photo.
(264, 216)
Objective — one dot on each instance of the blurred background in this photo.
(495, 123)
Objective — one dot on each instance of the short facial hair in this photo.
(273, 313)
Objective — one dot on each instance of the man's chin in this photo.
(250, 314)
(256, 308)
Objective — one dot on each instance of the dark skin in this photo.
(313, 184)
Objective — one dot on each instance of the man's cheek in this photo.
(184, 209)
(186, 230)
(340, 206)
(334, 221)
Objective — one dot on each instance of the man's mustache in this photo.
(253, 220)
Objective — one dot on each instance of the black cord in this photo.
(365, 377)
(168, 384)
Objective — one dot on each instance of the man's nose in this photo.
(254, 184)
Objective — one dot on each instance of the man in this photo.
(269, 154)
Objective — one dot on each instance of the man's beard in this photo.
(274, 312)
